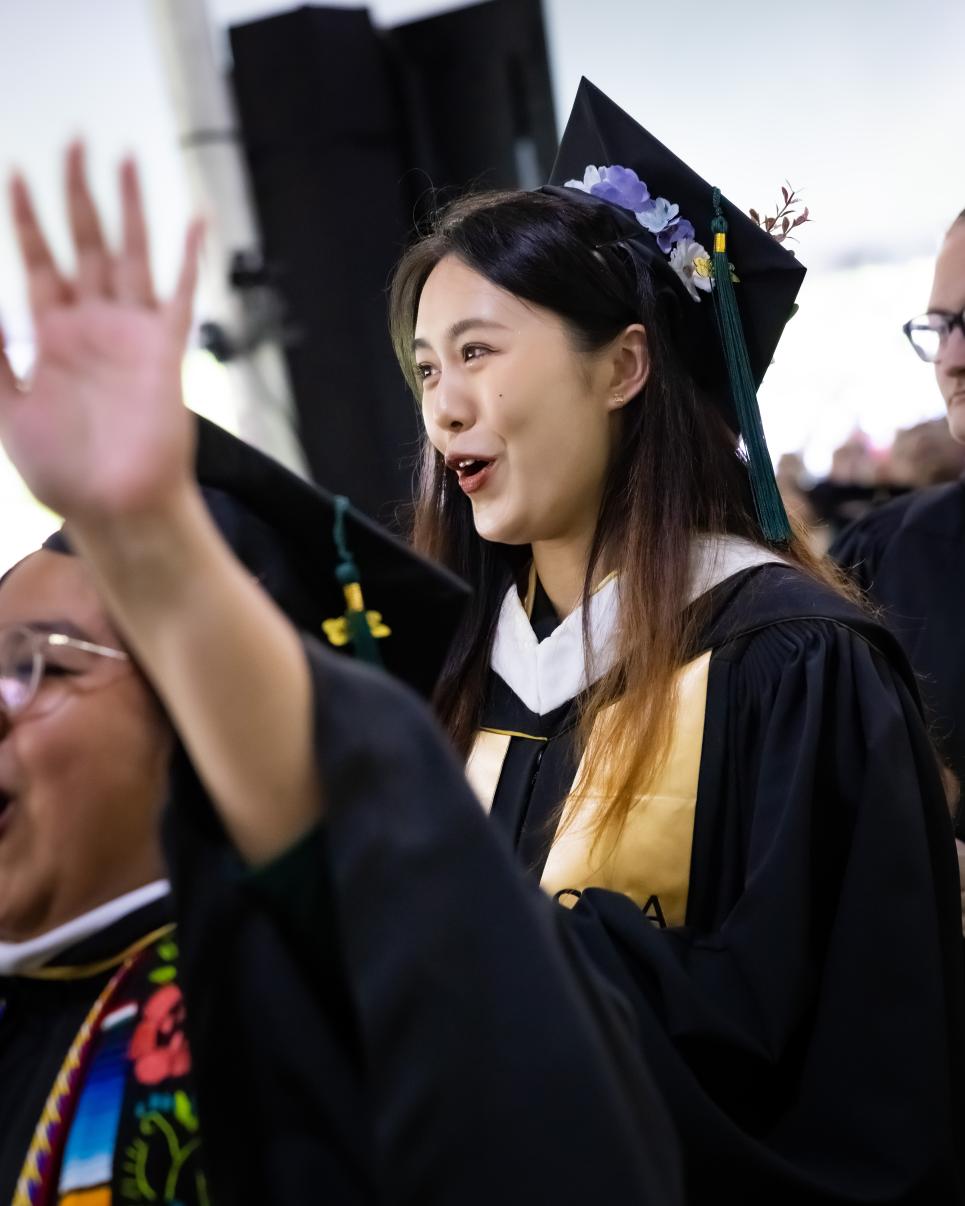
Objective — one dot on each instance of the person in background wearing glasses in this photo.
(909, 555)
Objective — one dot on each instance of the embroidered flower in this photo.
(159, 1046)
(620, 185)
(693, 265)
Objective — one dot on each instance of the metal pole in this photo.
(242, 318)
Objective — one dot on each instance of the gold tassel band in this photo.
(353, 597)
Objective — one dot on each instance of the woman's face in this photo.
(83, 770)
(524, 420)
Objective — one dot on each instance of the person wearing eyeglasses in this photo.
(87, 945)
(909, 555)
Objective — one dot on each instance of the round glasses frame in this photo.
(23, 662)
(928, 332)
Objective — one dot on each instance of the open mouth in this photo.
(468, 468)
(473, 472)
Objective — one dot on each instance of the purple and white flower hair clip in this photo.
(674, 234)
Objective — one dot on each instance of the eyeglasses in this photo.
(928, 332)
(27, 657)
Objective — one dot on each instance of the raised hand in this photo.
(99, 432)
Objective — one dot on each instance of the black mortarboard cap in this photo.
(600, 133)
(284, 529)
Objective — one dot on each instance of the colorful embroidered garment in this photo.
(135, 1135)
(120, 1122)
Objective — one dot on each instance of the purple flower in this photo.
(622, 186)
(679, 229)
(657, 214)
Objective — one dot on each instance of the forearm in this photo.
(227, 664)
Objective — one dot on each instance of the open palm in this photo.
(100, 431)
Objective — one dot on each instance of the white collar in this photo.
(547, 674)
(714, 559)
(19, 957)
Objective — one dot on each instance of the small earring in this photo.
(618, 399)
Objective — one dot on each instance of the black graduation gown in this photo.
(39, 1020)
(805, 1023)
(910, 558)
(392, 1013)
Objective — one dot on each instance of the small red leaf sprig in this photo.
(785, 219)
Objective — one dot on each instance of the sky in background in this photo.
(857, 104)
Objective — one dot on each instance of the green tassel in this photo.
(768, 503)
(347, 573)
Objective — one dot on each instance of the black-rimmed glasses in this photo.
(928, 333)
(27, 656)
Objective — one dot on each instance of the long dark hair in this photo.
(677, 472)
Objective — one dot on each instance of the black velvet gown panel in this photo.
(910, 557)
(39, 1020)
(806, 1024)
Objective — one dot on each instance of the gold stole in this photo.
(649, 860)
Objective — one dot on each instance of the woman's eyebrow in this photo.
(460, 328)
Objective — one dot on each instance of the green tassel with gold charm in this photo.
(768, 503)
(357, 626)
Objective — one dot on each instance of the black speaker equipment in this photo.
(347, 131)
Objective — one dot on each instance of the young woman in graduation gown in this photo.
(701, 748)
(377, 1006)
(712, 756)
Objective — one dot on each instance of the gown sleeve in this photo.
(806, 1024)
(859, 548)
(906, 556)
(500, 1064)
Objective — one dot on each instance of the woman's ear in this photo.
(629, 365)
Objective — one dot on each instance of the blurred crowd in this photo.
(863, 476)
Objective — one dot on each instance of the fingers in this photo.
(132, 270)
(45, 286)
(93, 258)
(126, 276)
(181, 305)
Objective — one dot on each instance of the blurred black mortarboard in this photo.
(287, 533)
(722, 325)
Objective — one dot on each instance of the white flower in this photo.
(692, 264)
(658, 215)
(590, 177)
